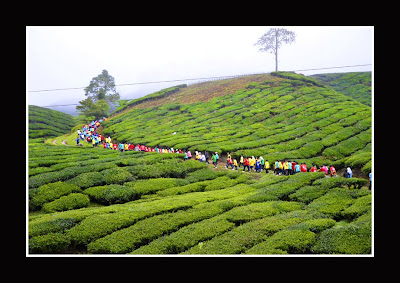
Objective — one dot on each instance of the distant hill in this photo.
(279, 116)
(356, 85)
(45, 123)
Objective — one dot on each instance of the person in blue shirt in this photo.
(121, 147)
(77, 140)
(297, 168)
(258, 166)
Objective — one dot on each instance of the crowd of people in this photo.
(258, 165)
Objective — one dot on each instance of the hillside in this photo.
(357, 85)
(91, 200)
(278, 116)
(96, 201)
(45, 123)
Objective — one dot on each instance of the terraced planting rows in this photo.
(90, 200)
(45, 122)
(286, 116)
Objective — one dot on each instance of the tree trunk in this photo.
(276, 51)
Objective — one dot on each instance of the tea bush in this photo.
(71, 201)
(111, 194)
(289, 241)
(87, 180)
(50, 192)
(49, 244)
(116, 176)
(348, 239)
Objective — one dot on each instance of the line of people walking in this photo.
(252, 164)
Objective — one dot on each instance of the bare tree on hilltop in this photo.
(273, 39)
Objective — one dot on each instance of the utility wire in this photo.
(180, 80)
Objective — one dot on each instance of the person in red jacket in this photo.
(303, 167)
(333, 171)
(313, 168)
(115, 146)
(246, 164)
(131, 146)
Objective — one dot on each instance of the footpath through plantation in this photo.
(90, 200)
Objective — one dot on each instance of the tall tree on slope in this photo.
(273, 39)
(101, 95)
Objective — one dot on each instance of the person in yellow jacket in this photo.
(235, 164)
(285, 168)
(267, 166)
(241, 160)
(252, 161)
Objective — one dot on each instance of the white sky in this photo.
(67, 57)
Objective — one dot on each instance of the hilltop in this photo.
(279, 116)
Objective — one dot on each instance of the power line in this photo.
(332, 68)
(191, 79)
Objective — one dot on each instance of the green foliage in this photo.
(111, 194)
(87, 180)
(71, 201)
(355, 85)
(289, 241)
(348, 239)
(117, 175)
(50, 192)
(45, 123)
(49, 243)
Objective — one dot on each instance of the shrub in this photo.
(87, 180)
(332, 203)
(71, 201)
(347, 239)
(111, 194)
(315, 225)
(51, 226)
(48, 244)
(186, 237)
(151, 186)
(50, 192)
(117, 176)
(359, 207)
(253, 211)
(356, 183)
(308, 193)
(201, 175)
(291, 241)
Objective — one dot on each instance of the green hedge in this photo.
(49, 244)
(50, 192)
(110, 194)
(87, 180)
(117, 175)
(288, 241)
(71, 201)
(347, 239)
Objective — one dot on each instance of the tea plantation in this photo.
(45, 122)
(285, 116)
(85, 200)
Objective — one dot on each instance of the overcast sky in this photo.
(69, 57)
